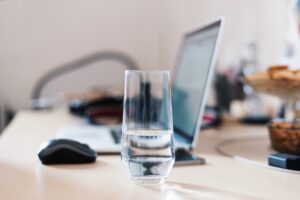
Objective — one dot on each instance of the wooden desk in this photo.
(22, 176)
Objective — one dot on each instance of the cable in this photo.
(223, 152)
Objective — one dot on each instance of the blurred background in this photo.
(39, 35)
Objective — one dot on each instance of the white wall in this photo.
(36, 35)
(262, 20)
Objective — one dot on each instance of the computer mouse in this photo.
(65, 151)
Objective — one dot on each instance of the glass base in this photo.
(148, 181)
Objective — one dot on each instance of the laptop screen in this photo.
(192, 71)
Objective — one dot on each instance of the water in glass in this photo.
(147, 130)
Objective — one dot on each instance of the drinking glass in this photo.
(147, 128)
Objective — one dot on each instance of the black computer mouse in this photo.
(65, 151)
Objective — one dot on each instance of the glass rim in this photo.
(141, 71)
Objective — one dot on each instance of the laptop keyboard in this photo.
(116, 134)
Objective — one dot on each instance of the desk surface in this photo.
(22, 176)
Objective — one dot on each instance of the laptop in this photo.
(193, 74)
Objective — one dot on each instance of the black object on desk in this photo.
(65, 151)
(285, 161)
(260, 119)
(80, 107)
(184, 157)
(107, 110)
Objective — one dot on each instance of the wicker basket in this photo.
(280, 88)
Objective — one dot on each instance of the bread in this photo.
(283, 75)
(297, 75)
(278, 81)
(277, 68)
(275, 72)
